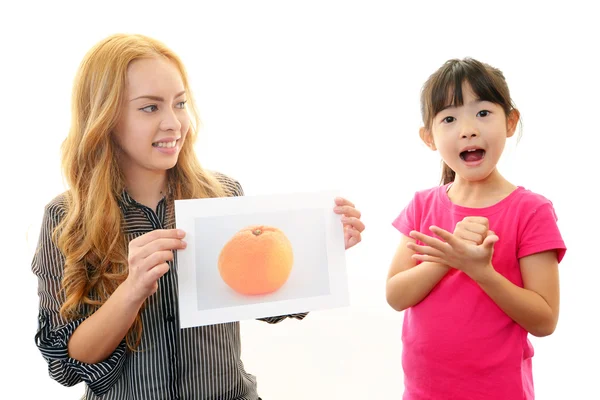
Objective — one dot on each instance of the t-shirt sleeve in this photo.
(541, 233)
(406, 221)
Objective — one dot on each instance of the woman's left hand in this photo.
(353, 226)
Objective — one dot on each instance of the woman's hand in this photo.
(148, 257)
(353, 226)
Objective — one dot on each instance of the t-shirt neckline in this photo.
(483, 211)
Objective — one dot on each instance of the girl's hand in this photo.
(353, 226)
(148, 256)
(472, 229)
(475, 260)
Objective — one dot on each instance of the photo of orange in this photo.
(256, 260)
(247, 259)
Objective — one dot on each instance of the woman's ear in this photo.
(427, 138)
(512, 121)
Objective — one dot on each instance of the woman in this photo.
(107, 286)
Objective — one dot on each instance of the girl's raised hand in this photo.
(472, 229)
(473, 259)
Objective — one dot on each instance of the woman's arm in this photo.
(54, 331)
(99, 335)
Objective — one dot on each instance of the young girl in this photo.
(105, 259)
(472, 296)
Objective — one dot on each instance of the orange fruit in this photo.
(258, 259)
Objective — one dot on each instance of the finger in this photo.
(477, 220)
(354, 223)
(156, 259)
(350, 232)
(354, 233)
(157, 234)
(474, 227)
(350, 243)
(348, 211)
(426, 258)
(158, 271)
(428, 240)
(160, 245)
(490, 240)
(353, 239)
(445, 235)
(428, 250)
(340, 201)
(469, 235)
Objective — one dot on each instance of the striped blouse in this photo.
(171, 363)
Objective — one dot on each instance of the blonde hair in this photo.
(90, 235)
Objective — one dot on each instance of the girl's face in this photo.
(154, 122)
(471, 137)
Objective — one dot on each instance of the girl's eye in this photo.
(149, 109)
(448, 120)
(181, 104)
(483, 113)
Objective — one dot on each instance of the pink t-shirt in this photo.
(457, 343)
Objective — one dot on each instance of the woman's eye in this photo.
(448, 120)
(483, 113)
(149, 109)
(181, 104)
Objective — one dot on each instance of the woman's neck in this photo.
(146, 187)
(480, 194)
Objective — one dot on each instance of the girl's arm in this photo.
(536, 306)
(409, 283)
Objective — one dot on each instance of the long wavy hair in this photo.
(444, 88)
(90, 235)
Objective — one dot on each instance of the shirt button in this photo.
(170, 318)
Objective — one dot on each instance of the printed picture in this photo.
(254, 257)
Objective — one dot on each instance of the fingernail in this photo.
(180, 233)
(338, 208)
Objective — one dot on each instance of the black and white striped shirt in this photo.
(171, 363)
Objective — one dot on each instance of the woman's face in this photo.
(154, 121)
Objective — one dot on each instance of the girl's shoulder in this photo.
(531, 200)
(429, 195)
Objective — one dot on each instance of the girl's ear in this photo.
(427, 138)
(512, 121)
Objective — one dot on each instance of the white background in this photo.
(301, 96)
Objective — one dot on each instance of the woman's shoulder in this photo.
(58, 206)
(231, 186)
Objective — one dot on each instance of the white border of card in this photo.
(186, 213)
